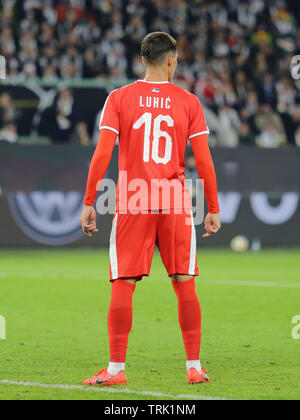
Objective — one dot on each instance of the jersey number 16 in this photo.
(146, 119)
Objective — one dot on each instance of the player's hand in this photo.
(88, 220)
(212, 224)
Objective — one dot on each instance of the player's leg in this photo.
(119, 327)
(189, 315)
(177, 244)
(131, 249)
(120, 323)
(132, 245)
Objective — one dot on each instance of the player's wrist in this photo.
(88, 203)
(213, 211)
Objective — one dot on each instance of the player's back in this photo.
(154, 121)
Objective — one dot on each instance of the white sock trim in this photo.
(194, 364)
(115, 368)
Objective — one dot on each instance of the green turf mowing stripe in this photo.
(251, 283)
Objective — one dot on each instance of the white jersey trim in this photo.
(109, 128)
(199, 134)
(103, 110)
(154, 83)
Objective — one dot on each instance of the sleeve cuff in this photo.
(214, 210)
(199, 134)
(109, 128)
(89, 202)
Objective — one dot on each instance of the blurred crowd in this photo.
(234, 54)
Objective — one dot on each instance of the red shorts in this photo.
(133, 238)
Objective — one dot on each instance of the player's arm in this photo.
(98, 168)
(206, 171)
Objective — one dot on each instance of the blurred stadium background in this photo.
(64, 57)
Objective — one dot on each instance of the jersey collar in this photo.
(154, 83)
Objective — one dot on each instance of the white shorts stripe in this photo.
(193, 248)
(113, 250)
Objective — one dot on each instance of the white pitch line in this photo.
(112, 391)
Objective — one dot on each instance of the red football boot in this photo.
(194, 377)
(106, 379)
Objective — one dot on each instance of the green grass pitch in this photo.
(55, 304)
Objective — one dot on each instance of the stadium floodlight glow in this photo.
(2, 67)
(2, 328)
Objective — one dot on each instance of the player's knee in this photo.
(180, 278)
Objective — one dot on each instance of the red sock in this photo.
(189, 314)
(120, 319)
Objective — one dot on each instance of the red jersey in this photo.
(154, 121)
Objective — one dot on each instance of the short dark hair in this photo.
(156, 45)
